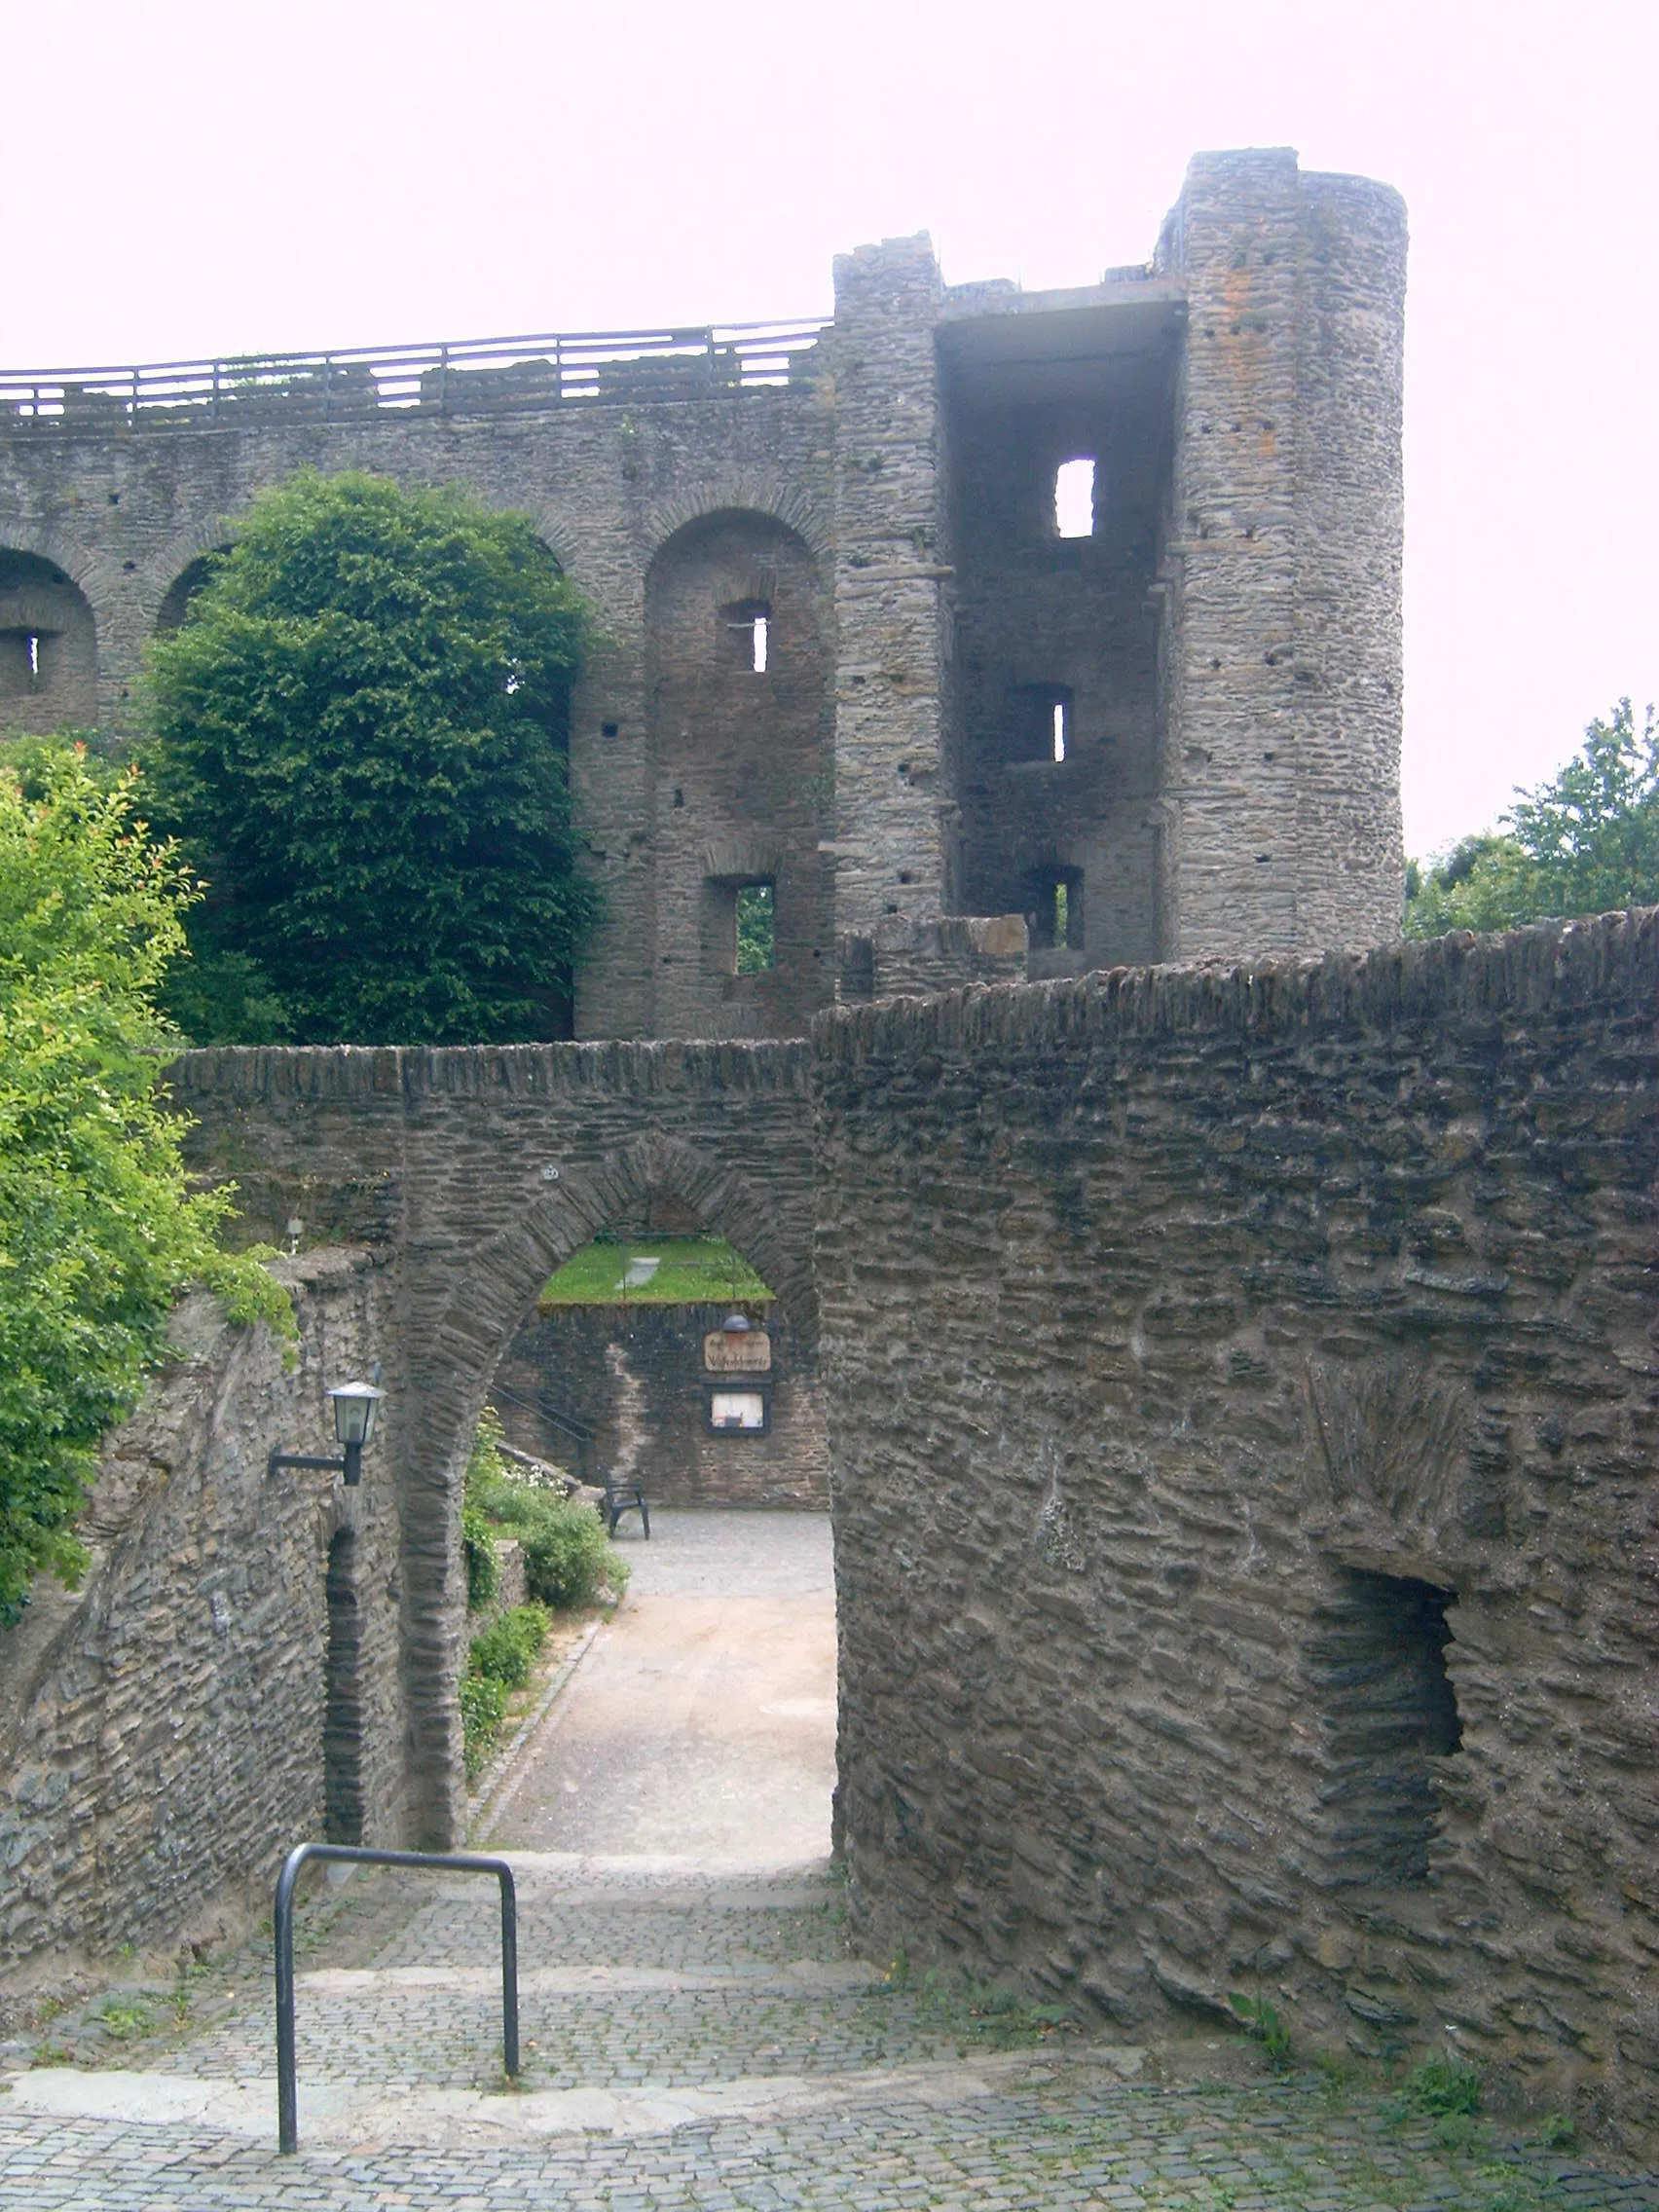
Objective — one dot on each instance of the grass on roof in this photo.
(691, 1271)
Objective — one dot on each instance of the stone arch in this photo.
(176, 599)
(49, 657)
(163, 572)
(739, 750)
(476, 1324)
(741, 494)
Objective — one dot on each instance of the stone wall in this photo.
(1229, 637)
(477, 1171)
(1243, 1406)
(603, 1387)
(167, 1732)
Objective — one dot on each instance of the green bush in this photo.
(1442, 2089)
(359, 740)
(478, 1545)
(99, 1226)
(483, 1703)
(568, 1559)
(506, 1649)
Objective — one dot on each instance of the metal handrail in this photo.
(441, 1863)
(469, 375)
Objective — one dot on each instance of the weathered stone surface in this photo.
(480, 1171)
(162, 1730)
(1228, 640)
(613, 1387)
(1243, 1403)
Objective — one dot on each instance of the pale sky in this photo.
(192, 179)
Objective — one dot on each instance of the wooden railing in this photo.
(489, 376)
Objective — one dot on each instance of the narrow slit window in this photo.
(34, 656)
(746, 625)
(1074, 498)
(1062, 717)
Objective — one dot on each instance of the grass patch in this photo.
(691, 1271)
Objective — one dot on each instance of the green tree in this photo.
(358, 739)
(98, 1229)
(1583, 843)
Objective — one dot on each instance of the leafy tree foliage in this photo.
(358, 741)
(1584, 843)
(98, 1230)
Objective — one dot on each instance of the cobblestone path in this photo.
(704, 2043)
(693, 2041)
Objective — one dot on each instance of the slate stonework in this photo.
(1229, 638)
(1244, 1406)
(162, 1730)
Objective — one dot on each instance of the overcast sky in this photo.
(189, 179)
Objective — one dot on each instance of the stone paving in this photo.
(692, 2043)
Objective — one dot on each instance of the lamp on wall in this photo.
(356, 1405)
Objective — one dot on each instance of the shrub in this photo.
(506, 1649)
(359, 741)
(478, 1545)
(483, 1702)
(99, 1227)
(568, 1559)
(1442, 2089)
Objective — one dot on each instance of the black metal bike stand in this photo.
(438, 1863)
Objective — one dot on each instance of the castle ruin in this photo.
(852, 652)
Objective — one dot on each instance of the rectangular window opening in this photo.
(748, 624)
(1377, 1658)
(1062, 717)
(1074, 498)
(757, 929)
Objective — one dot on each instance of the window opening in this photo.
(1060, 719)
(750, 624)
(1055, 921)
(1074, 498)
(757, 933)
(19, 662)
(1377, 1657)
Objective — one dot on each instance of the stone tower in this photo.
(854, 652)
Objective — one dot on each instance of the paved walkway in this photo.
(698, 2037)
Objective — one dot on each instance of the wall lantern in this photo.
(737, 1379)
(356, 1405)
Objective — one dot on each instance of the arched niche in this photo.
(175, 601)
(740, 747)
(47, 646)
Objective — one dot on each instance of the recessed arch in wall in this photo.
(48, 646)
(740, 757)
(176, 599)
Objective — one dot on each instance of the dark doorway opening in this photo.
(343, 1711)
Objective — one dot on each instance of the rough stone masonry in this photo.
(1244, 1397)
(1223, 642)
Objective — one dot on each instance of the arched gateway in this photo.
(472, 1173)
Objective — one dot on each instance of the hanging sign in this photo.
(728, 1351)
